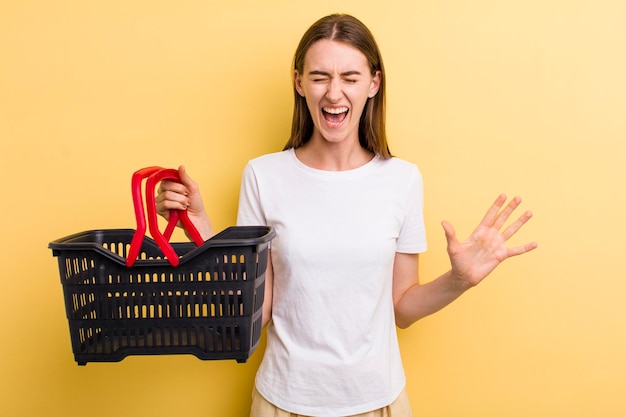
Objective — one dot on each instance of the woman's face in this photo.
(336, 83)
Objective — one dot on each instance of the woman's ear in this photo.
(297, 82)
(375, 86)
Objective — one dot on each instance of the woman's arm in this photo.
(412, 300)
(471, 261)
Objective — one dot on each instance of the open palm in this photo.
(473, 259)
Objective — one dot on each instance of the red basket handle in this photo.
(154, 175)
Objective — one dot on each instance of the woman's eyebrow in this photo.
(349, 73)
(319, 72)
(326, 74)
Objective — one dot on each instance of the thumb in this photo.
(450, 232)
(185, 179)
(192, 190)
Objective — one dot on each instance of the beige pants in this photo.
(399, 408)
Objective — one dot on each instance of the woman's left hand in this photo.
(485, 249)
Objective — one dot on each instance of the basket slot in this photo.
(207, 338)
(157, 304)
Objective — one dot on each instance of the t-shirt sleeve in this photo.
(412, 237)
(250, 212)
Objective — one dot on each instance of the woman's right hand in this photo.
(184, 195)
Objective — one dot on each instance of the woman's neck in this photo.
(333, 156)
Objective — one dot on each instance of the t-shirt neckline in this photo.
(335, 175)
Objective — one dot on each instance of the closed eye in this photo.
(350, 77)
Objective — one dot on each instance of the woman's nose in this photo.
(333, 93)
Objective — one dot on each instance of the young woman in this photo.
(349, 230)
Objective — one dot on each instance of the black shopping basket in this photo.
(206, 302)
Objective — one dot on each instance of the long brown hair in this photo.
(348, 29)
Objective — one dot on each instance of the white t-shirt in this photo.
(332, 347)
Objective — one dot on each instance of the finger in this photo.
(515, 226)
(504, 214)
(173, 186)
(171, 200)
(493, 211)
(519, 250)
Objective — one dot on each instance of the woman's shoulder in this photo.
(275, 162)
(270, 158)
(401, 165)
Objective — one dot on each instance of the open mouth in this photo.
(335, 115)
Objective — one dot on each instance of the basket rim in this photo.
(79, 241)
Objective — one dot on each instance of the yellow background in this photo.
(522, 97)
